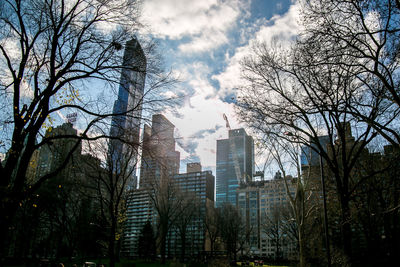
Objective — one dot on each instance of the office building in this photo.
(43, 216)
(193, 167)
(274, 210)
(127, 127)
(248, 205)
(235, 165)
(53, 154)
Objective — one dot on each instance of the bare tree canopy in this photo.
(110, 185)
(340, 76)
(366, 34)
(61, 57)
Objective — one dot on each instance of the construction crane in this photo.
(233, 151)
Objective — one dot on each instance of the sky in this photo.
(203, 42)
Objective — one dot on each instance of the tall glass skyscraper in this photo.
(235, 165)
(129, 102)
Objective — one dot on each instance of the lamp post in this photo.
(328, 252)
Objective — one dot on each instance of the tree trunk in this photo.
(346, 231)
(183, 245)
(7, 214)
(111, 245)
(234, 254)
(302, 258)
(211, 248)
(163, 242)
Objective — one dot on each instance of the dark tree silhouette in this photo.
(232, 228)
(147, 242)
(368, 34)
(60, 57)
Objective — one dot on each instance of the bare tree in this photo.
(367, 32)
(61, 57)
(147, 242)
(287, 93)
(302, 206)
(273, 227)
(167, 200)
(211, 223)
(111, 183)
(233, 229)
(376, 204)
(187, 211)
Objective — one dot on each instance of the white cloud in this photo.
(204, 42)
(204, 25)
(279, 29)
(205, 22)
(11, 47)
(201, 112)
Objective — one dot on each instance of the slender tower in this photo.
(125, 123)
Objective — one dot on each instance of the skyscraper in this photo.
(260, 204)
(129, 102)
(52, 155)
(159, 161)
(235, 165)
(159, 158)
(201, 185)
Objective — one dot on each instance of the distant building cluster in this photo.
(160, 164)
(262, 203)
(235, 181)
(235, 177)
(256, 199)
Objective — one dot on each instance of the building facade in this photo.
(235, 165)
(139, 211)
(160, 161)
(159, 157)
(201, 184)
(264, 207)
(275, 218)
(46, 218)
(52, 155)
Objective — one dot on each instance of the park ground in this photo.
(141, 263)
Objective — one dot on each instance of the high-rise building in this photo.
(60, 197)
(129, 103)
(262, 205)
(53, 154)
(159, 158)
(309, 154)
(235, 165)
(159, 161)
(139, 211)
(201, 184)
